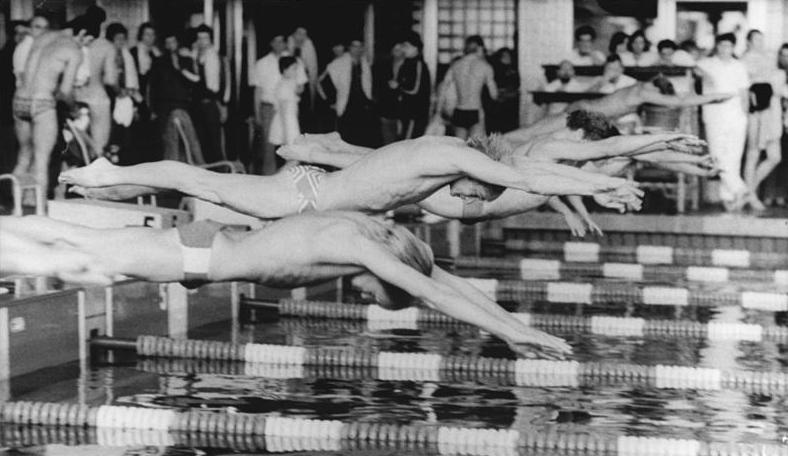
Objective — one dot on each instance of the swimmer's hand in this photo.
(576, 225)
(592, 226)
(533, 342)
(621, 199)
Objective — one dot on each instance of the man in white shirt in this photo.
(265, 78)
(584, 53)
(726, 122)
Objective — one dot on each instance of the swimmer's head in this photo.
(664, 85)
(39, 24)
(591, 126)
(566, 71)
(117, 34)
(87, 27)
(495, 147)
(403, 245)
(474, 44)
(288, 66)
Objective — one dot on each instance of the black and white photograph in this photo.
(393, 227)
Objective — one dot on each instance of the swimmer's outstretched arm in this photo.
(455, 297)
(537, 177)
(688, 100)
(614, 146)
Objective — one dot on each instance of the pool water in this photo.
(615, 408)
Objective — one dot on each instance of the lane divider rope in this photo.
(434, 367)
(590, 252)
(110, 425)
(530, 268)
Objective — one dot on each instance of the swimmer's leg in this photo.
(45, 131)
(477, 130)
(773, 158)
(100, 123)
(24, 135)
(461, 132)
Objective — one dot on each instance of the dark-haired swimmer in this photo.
(401, 173)
(658, 91)
(385, 261)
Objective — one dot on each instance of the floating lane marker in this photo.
(629, 271)
(707, 274)
(733, 258)
(581, 252)
(569, 292)
(665, 296)
(531, 268)
(654, 254)
(772, 302)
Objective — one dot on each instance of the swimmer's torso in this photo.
(48, 58)
(470, 74)
(293, 251)
(381, 181)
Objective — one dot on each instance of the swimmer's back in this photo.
(47, 59)
(470, 74)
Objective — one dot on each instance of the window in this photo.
(494, 20)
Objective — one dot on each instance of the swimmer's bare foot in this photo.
(754, 202)
(113, 193)
(93, 175)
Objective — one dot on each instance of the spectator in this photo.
(300, 46)
(144, 53)
(584, 53)
(469, 76)
(80, 149)
(338, 50)
(99, 72)
(265, 80)
(505, 113)
(564, 82)
(284, 126)
(726, 122)
(613, 77)
(387, 94)
(413, 84)
(352, 77)
(687, 54)
(764, 122)
(126, 93)
(666, 50)
(171, 84)
(618, 43)
(208, 95)
(775, 189)
(638, 51)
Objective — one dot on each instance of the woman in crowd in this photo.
(638, 51)
(285, 128)
(413, 84)
(504, 113)
(618, 43)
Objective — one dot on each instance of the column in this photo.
(369, 31)
(21, 9)
(429, 35)
(546, 35)
(665, 24)
(207, 11)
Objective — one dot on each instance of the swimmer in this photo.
(386, 262)
(49, 75)
(658, 91)
(401, 173)
(469, 76)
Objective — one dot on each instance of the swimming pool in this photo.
(613, 393)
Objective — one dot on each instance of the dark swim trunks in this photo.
(472, 211)
(26, 108)
(465, 118)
